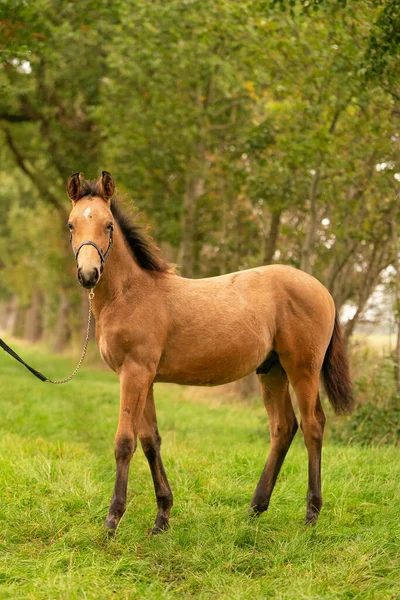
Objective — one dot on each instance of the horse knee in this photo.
(151, 445)
(284, 433)
(125, 446)
(313, 430)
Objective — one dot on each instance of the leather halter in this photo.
(102, 255)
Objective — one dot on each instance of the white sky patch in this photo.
(388, 274)
(385, 165)
(87, 212)
(347, 312)
(23, 66)
(330, 242)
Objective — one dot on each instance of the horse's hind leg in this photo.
(151, 444)
(312, 424)
(282, 425)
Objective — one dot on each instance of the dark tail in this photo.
(335, 373)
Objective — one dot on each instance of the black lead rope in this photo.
(40, 375)
(12, 353)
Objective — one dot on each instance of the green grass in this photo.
(57, 473)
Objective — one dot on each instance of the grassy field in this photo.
(57, 473)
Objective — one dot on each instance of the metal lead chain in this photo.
(85, 345)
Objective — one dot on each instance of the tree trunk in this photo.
(396, 303)
(271, 239)
(397, 356)
(33, 329)
(248, 386)
(10, 314)
(308, 246)
(348, 329)
(378, 261)
(19, 322)
(223, 266)
(343, 287)
(63, 329)
(3, 313)
(194, 189)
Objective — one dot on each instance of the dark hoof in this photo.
(111, 525)
(160, 526)
(311, 518)
(314, 505)
(158, 530)
(257, 508)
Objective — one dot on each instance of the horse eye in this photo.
(70, 227)
(109, 227)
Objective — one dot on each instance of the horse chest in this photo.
(110, 352)
(104, 350)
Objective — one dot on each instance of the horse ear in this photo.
(107, 185)
(74, 186)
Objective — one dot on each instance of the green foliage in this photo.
(371, 424)
(383, 48)
(32, 251)
(220, 120)
(376, 418)
(56, 458)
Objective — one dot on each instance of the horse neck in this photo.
(122, 275)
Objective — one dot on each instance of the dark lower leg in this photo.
(124, 450)
(313, 429)
(283, 426)
(314, 495)
(266, 484)
(151, 448)
(151, 444)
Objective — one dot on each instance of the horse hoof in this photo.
(160, 527)
(257, 509)
(311, 518)
(253, 512)
(111, 525)
(157, 531)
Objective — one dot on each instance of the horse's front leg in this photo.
(135, 382)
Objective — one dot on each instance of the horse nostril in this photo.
(88, 278)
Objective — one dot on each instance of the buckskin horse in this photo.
(153, 325)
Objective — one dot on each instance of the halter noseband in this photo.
(90, 243)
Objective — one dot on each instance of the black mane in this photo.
(142, 247)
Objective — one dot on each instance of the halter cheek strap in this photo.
(90, 243)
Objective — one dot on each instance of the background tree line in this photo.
(246, 133)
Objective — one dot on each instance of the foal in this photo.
(153, 325)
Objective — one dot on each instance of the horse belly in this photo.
(217, 362)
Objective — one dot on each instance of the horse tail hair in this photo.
(335, 373)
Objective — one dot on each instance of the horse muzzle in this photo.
(88, 278)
